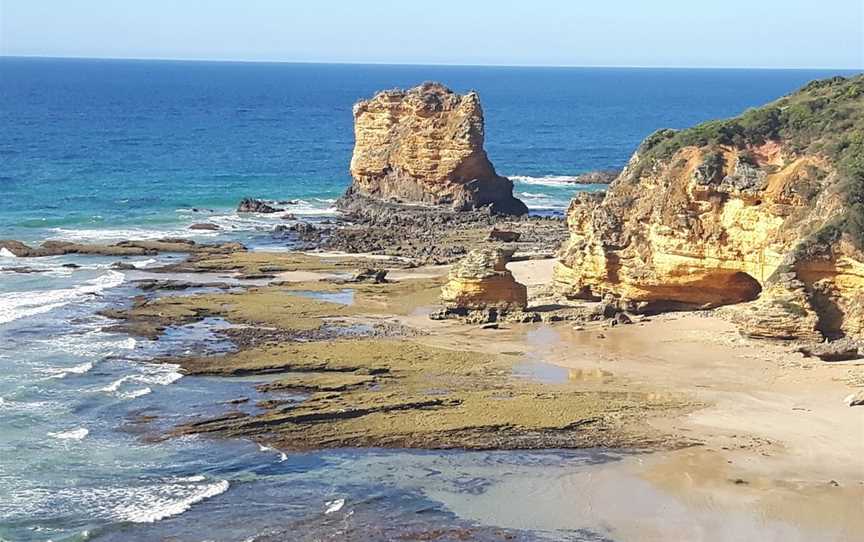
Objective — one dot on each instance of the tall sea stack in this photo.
(425, 146)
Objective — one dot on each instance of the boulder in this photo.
(425, 146)
(206, 226)
(855, 399)
(481, 281)
(375, 276)
(504, 236)
(249, 205)
(839, 350)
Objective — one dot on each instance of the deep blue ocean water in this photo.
(104, 144)
(105, 150)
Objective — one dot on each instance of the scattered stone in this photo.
(489, 326)
(622, 318)
(71, 266)
(204, 226)
(840, 350)
(855, 399)
(603, 176)
(123, 266)
(504, 236)
(288, 216)
(150, 285)
(375, 276)
(249, 205)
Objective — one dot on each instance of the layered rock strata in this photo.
(425, 146)
(481, 281)
(764, 209)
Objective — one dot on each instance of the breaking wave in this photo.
(17, 305)
(73, 434)
(169, 500)
(547, 180)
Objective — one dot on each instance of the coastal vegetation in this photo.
(824, 118)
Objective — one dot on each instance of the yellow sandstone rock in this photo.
(726, 222)
(481, 281)
(425, 146)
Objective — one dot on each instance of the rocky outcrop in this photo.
(123, 248)
(481, 281)
(425, 146)
(249, 205)
(763, 210)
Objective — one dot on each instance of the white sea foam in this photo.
(6, 253)
(196, 478)
(546, 180)
(153, 374)
(73, 434)
(15, 305)
(144, 263)
(334, 506)
(109, 235)
(63, 372)
(172, 500)
(282, 455)
(39, 407)
(136, 393)
(94, 343)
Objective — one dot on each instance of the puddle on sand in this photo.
(343, 297)
(538, 371)
(548, 373)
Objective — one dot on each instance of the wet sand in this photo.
(755, 441)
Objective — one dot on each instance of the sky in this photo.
(649, 33)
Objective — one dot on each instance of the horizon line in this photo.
(430, 64)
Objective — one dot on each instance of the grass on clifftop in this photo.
(823, 118)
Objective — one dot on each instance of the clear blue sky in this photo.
(725, 33)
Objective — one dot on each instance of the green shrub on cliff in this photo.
(825, 117)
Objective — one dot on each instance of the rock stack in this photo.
(425, 146)
(481, 281)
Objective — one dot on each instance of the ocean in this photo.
(104, 150)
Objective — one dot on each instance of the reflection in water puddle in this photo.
(343, 297)
(538, 371)
(590, 375)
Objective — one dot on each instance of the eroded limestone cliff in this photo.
(764, 211)
(425, 146)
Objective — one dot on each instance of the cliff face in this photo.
(764, 210)
(425, 146)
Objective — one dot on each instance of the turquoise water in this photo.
(106, 150)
